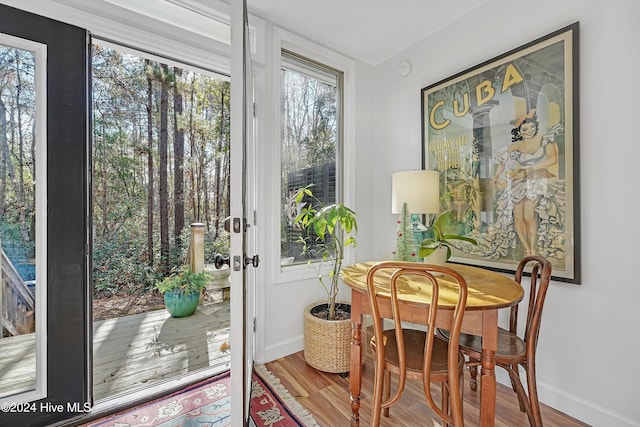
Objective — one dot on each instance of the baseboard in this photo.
(282, 349)
(586, 411)
(583, 410)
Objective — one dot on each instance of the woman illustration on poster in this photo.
(525, 173)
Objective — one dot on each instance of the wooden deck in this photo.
(17, 302)
(136, 351)
(17, 364)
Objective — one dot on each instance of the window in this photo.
(23, 207)
(311, 145)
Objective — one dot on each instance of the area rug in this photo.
(208, 403)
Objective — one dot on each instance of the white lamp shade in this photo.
(420, 190)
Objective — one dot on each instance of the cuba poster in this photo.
(503, 136)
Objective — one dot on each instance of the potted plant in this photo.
(437, 249)
(182, 291)
(327, 324)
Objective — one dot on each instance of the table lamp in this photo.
(413, 193)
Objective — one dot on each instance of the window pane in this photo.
(22, 231)
(310, 145)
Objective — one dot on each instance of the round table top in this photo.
(487, 289)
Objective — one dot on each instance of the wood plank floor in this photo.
(134, 352)
(326, 396)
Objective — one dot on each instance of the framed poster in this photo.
(504, 136)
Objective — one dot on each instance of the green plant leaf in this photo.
(185, 279)
(424, 251)
(442, 222)
(448, 252)
(430, 243)
(332, 224)
(319, 226)
(456, 237)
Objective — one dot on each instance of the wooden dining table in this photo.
(488, 292)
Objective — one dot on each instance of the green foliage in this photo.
(21, 252)
(217, 243)
(333, 225)
(443, 233)
(120, 266)
(185, 279)
(126, 107)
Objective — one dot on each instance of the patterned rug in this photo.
(208, 403)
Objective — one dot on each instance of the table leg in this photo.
(488, 364)
(355, 376)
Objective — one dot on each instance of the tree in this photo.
(164, 184)
(150, 180)
(149, 119)
(221, 168)
(4, 158)
(17, 157)
(178, 158)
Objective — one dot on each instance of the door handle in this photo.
(219, 261)
(254, 260)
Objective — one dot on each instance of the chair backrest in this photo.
(540, 270)
(404, 272)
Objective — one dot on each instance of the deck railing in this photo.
(218, 278)
(195, 253)
(17, 304)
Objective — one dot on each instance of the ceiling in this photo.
(371, 31)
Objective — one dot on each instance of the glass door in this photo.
(44, 233)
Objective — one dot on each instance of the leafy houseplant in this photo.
(333, 225)
(182, 291)
(327, 326)
(443, 234)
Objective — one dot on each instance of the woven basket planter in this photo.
(327, 343)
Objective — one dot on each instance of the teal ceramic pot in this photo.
(181, 304)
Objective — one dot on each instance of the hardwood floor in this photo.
(326, 396)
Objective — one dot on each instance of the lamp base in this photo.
(420, 232)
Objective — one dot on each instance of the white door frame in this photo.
(241, 229)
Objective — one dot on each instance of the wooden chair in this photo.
(417, 354)
(513, 350)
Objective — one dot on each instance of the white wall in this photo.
(588, 339)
